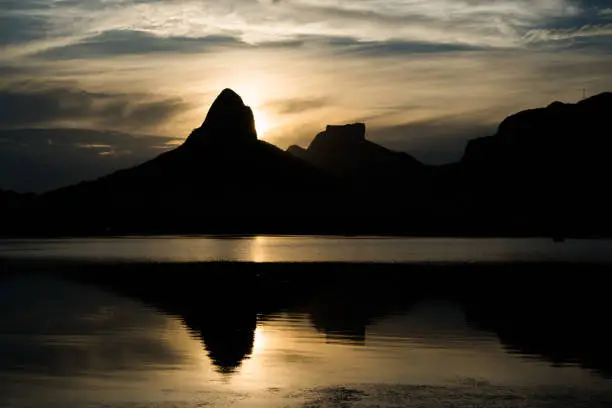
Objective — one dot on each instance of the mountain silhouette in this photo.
(228, 120)
(344, 152)
(544, 172)
(222, 170)
(545, 167)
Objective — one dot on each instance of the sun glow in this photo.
(256, 93)
(262, 123)
(259, 342)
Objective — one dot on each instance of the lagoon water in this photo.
(309, 249)
(64, 343)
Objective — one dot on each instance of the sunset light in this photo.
(305, 203)
(262, 123)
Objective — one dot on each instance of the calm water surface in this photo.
(304, 249)
(65, 344)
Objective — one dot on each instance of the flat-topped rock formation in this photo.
(344, 151)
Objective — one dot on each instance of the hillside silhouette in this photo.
(548, 164)
(543, 172)
(345, 152)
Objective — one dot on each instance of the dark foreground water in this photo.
(138, 334)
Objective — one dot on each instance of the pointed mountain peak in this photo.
(229, 92)
(227, 99)
(228, 121)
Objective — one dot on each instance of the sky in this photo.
(424, 75)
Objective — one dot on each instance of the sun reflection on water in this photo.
(258, 249)
(260, 341)
(144, 355)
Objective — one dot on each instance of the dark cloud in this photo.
(592, 45)
(339, 14)
(594, 4)
(130, 42)
(7, 70)
(477, 21)
(391, 48)
(20, 29)
(590, 29)
(32, 105)
(42, 159)
(23, 5)
(39, 160)
(349, 46)
(298, 105)
(436, 141)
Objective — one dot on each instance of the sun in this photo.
(262, 123)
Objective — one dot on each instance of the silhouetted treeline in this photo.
(544, 172)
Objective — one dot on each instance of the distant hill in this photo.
(344, 152)
(544, 172)
(12, 198)
(548, 166)
(39, 160)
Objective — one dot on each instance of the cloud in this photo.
(33, 105)
(23, 5)
(297, 105)
(186, 24)
(348, 46)
(129, 42)
(435, 141)
(43, 159)
(427, 74)
(539, 35)
(20, 29)
(7, 70)
(134, 43)
(396, 48)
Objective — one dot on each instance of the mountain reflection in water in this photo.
(121, 329)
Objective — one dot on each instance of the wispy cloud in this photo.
(538, 35)
(20, 29)
(48, 104)
(297, 105)
(472, 22)
(425, 74)
(129, 42)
